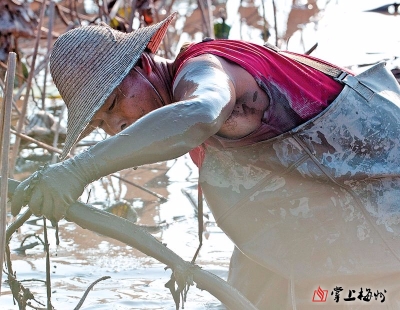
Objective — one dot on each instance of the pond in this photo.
(136, 280)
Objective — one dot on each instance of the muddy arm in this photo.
(127, 232)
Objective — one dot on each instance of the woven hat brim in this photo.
(83, 106)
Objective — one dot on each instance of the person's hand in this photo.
(50, 190)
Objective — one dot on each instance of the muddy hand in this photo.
(50, 190)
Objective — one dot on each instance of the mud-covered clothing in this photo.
(296, 92)
(314, 212)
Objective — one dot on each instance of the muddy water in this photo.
(136, 281)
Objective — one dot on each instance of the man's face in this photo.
(128, 102)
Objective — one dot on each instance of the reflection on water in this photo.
(137, 281)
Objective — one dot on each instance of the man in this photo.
(301, 181)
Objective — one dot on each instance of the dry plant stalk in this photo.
(5, 124)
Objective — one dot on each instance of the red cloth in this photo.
(296, 92)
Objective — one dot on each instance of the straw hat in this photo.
(87, 63)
